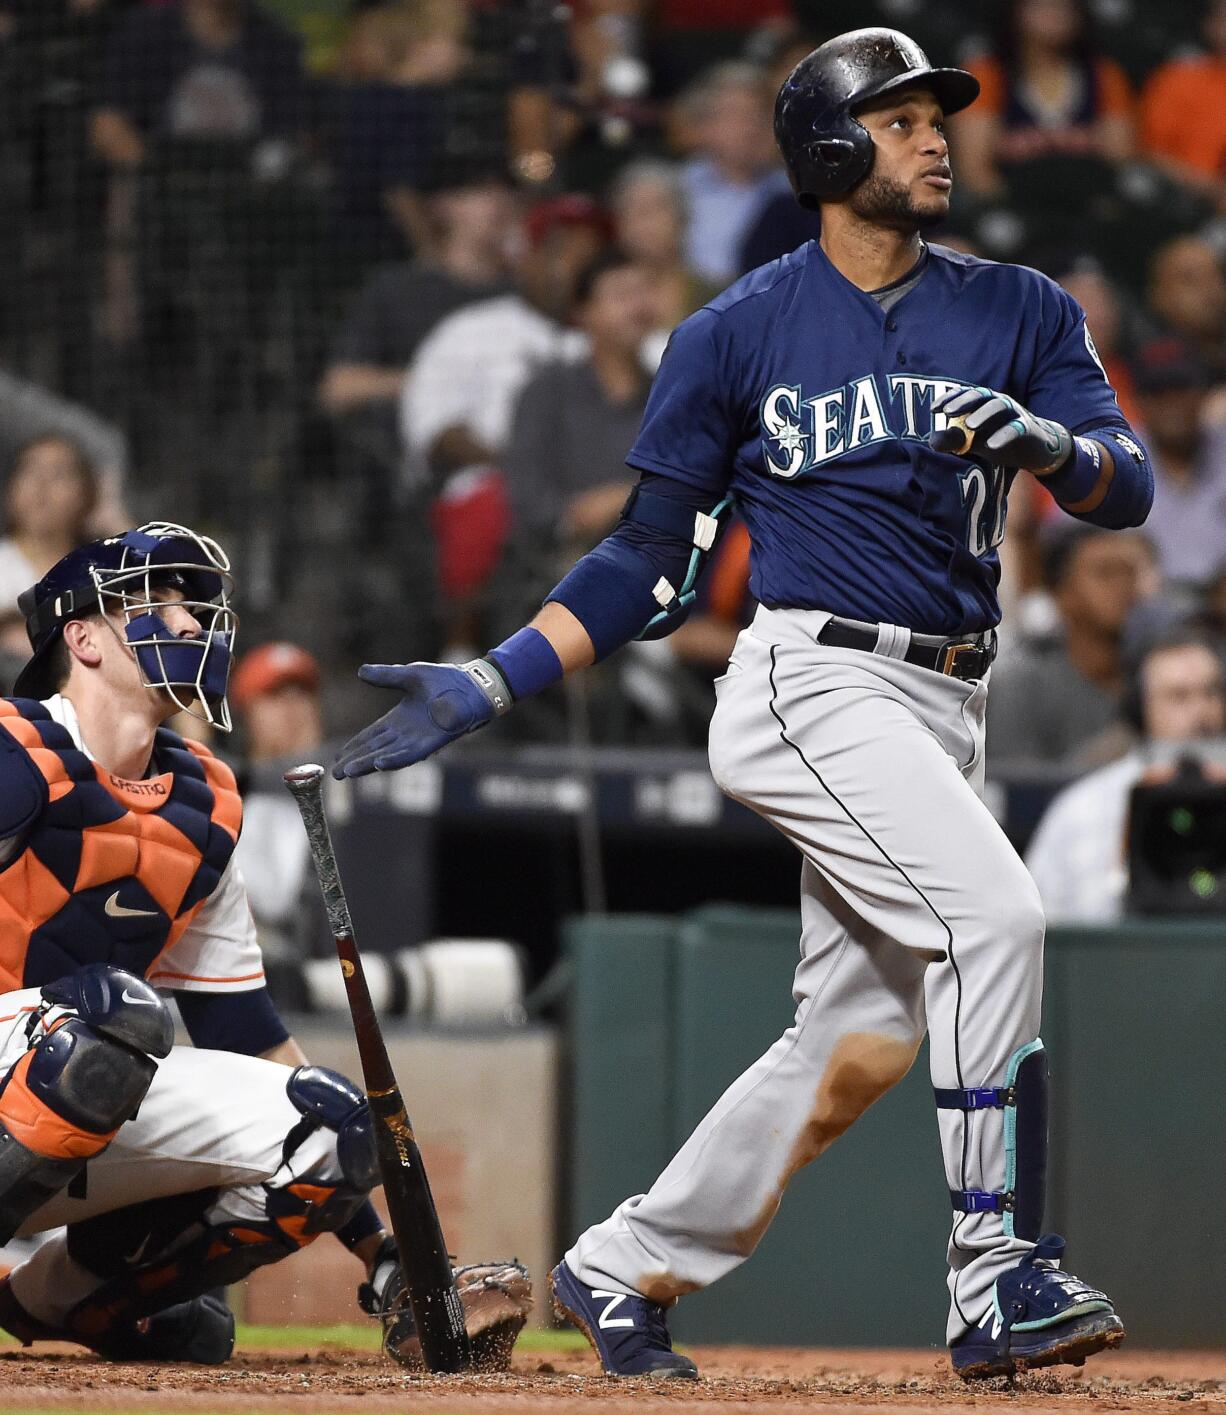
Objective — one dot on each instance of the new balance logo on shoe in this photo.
(993, 1319)
(607, 1320)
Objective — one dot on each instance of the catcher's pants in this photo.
(915, 911)
(210, 1119)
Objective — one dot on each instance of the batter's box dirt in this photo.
(775, 1381)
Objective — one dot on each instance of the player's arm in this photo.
(639, 580)
(1069, 432)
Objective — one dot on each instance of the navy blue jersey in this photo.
(813, 404)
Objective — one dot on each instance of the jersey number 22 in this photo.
(983, 494)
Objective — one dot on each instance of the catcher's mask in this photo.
(126, 578)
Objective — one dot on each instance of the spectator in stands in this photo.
(1183, 112)
(726, 180)
(392, 130)
(1188, 520)
(1046, 94)
(197, 69)
(1187, 296)
(1212, 615)
(780, 223)
(459, 398)
(1048, 702)
(649, 215)
(29, 413)
(1078, 854)
(49, 501)
(465, 260)
(1084, 278)
(577, 418)
(275, 695)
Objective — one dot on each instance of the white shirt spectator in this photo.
(16, 574)
(469, 372)
(1077, 854)
(720, 213)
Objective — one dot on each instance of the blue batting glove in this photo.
(441, 701)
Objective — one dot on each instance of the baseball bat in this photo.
(429, 1280)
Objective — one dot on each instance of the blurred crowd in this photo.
(374, 293)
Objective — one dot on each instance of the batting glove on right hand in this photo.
(441, 701)
(997, 427)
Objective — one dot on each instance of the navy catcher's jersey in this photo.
(813, 404)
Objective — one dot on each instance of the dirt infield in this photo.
(735, 1379)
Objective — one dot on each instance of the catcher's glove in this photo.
(496, 1298)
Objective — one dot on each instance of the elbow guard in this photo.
(639, 582)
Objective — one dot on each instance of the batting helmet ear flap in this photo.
(825, 150)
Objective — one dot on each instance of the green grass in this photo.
(365, 1337)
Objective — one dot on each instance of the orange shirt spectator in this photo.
(1183, 115)
(1029, 129)
(1047, 93)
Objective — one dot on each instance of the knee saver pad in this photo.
(1026, 1141)
(116, 1004)
(326, 1098)
(86, 1078)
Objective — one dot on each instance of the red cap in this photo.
(269, 667)
(573, 209)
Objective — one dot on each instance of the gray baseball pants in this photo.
(916, 913)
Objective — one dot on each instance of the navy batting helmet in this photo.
(124, 575)
(826, 151)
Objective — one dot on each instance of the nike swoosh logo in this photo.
(135, 1256)
(138, 1001)
(116, 910)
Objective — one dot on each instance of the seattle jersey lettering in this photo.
(801, 433)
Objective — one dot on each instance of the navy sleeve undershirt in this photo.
(244, 1022)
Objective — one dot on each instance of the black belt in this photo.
(965, 659)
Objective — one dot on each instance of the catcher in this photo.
(174, 1170)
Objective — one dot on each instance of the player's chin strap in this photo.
(1023, 1099)
(698, 528)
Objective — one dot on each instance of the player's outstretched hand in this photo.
(439, 702)
(994, 426)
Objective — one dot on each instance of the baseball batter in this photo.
(175, 1170)
(866, 403)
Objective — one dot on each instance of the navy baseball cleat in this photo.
(629, 1334)
(1039, 1316)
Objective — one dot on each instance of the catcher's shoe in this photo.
(1039, 1316)
(496, 1297)
(201, 1331)
(629, 1334)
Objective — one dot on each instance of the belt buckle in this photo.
(949, 657)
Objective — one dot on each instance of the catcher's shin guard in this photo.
(172, 1250)
(63, 1101)
(1023, 1099)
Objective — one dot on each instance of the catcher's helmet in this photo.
(826, 151)
(123, 575)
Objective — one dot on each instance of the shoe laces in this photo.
(655, 1326)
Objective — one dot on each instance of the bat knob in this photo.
(305, 777)
(967, 436)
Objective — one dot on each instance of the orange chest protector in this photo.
(109, 871)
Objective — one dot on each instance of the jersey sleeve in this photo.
(1067, 380)
(218, 951)
(690, 430)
